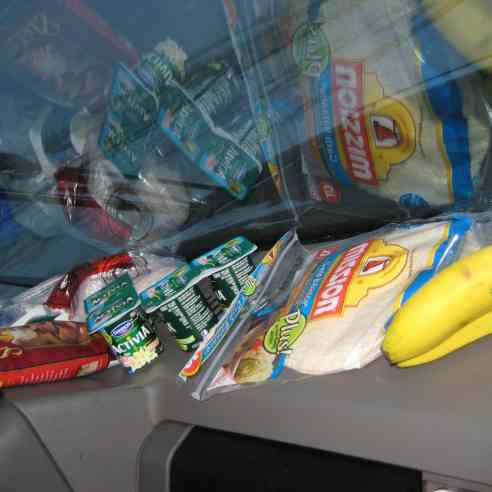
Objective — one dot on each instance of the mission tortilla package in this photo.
(384, 103)
(323, 310)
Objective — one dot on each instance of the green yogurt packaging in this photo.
(187, 117)
(178, 300)
(116, 312)
(234, 264)
(109, 293)
(185, 311)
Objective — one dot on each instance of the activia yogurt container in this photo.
(228, 282)
(177, 301)
(124, 324)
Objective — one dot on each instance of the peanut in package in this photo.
(323, 310)
(387, 104)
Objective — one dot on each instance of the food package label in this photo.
(49, 351)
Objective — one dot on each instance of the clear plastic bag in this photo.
(29, 306)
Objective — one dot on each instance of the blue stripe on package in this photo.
(445, 254)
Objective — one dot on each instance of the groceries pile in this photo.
(112, 310)
(249, 317)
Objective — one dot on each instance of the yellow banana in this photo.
(477, 329)
(450, 301)
(466, 24)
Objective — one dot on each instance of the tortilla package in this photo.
(325, 310)
(387, 105)
(50, 351)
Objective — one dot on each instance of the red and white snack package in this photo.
(50, 351)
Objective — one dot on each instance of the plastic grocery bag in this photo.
(323, 310)
(29, 306)
(149, 171)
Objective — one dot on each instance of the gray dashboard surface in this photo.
(94, 427)
(434, 418)
(24, 460)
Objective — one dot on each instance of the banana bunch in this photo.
(450, 311)
(465, 24)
